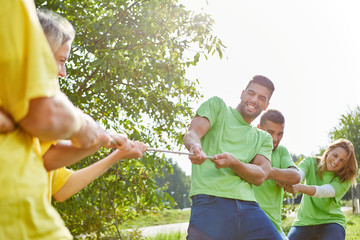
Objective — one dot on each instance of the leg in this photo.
(212, 218)
(332, 231)
(254, 223)
(302, 232)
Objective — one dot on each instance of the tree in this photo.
(297, 158)
(127, 71)
(349, 128)
(177, 185)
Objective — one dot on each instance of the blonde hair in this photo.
(58, 30)
(349, 171)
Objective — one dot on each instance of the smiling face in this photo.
(254, 99)
(336, 159)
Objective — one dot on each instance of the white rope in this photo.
(175, 152)
(165, 151)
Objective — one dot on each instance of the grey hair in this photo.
(58, 30)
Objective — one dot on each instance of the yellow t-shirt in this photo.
(27, 70)
(56, 178)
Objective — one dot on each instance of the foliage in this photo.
(134, 234)
(177, 185)
(349, 128)
(297, 158)
(127, 71)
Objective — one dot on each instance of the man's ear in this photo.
(258, 126)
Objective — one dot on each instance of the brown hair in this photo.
(263, 81)
(349, 171)
(272, 115)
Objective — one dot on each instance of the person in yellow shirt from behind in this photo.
(64, 182)
(30, 94)
(31, 98)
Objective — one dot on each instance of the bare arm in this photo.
(286, 176)
(199, 126)
(83, 177)
(56, 117)
(51, 118)
(6, 122)
(64, 153)
(306, 189)
(254, 173)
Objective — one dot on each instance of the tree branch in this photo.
(118, 19)
(88, 78)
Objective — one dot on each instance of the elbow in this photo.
(295, 179)
(259, 181)
(48, 164)
(60, 196)
(60, 199)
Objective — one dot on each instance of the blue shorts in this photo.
(216, 218)
(330, 231)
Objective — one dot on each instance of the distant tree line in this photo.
(177, 185)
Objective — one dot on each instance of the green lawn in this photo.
(159, 218)
(177, 216)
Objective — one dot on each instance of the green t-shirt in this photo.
(268, 194)
(228, 133)
(314, 211)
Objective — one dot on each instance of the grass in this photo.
(169, 236)
(159, 218)
(177, 216)
(353, 226)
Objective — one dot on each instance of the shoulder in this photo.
(262, 133)
(217, 100)
(309, 162)
(212, 105)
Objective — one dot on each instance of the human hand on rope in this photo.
(121, 142)
(224, 160)
(136, 150)
(199, 156)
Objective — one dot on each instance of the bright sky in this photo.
(309, 49)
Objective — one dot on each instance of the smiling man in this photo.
(223, 202)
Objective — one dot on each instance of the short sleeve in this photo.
(45, 146)
(305, 165)
(60, 177)
(286, 159)
(211, 109)
(266, 146)
(27, 65)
